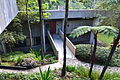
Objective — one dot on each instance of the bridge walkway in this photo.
(59, 45)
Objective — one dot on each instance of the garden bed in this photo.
(83, 54)
(20, 60)
(72, 73)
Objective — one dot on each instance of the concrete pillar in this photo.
(44, 36)
(3, 47)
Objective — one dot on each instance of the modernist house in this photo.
(55, 23)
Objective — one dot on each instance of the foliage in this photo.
(13, 33)
(107, 40)
(14, 56)
(16, 76)
(74, 4)
(37, 55)
(83, 53)
(18, 56)
(33, 10)
(110, 5)
(107, 30)
(44, 75)
(80, 71)
(83, 73)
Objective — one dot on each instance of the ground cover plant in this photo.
(106, 40)
(73, 73)
(83, 53)
(32, 59)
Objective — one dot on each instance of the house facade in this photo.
(55, 22)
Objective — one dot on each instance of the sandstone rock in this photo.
(28, 62)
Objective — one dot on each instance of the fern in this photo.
(107, 30)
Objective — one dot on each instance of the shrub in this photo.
(14, 56)
(81, 72)
(16, 76)
(83, 53)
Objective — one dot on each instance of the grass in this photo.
(107, 40)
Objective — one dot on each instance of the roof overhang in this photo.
(59, 14)
(8, 10)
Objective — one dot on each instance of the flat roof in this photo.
(82, 13)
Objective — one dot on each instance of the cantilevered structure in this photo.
(8, 10)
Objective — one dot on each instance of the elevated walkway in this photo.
(56, 41)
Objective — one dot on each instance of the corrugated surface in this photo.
(8, 10)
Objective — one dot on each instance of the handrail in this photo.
(52, 44)
(69, 44)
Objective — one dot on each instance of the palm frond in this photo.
(80, 31)
(107, 30)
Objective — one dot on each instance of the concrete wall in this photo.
(8, 10)
(35, 30)
(69, 44)
(55, 49)
(59, 14)
(74, 23)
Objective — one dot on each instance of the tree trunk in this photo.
(3, 47)
(64, 43)
(93, 54)
(41, 28)
(116, 41)
(29, 28)
(93, 4)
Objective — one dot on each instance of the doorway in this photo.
(53, 27)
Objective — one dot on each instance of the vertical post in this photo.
(44, 47)
(64, 43)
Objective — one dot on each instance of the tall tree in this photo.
(13, 34)
(115, 43)
(64, 43)
(41, 27)
(29, 27)
(114, 19)
(107, 30)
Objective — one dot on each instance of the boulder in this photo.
(28, 62)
